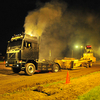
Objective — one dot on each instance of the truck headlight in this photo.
(17, 65)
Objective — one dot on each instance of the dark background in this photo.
(13, 13)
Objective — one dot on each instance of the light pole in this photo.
(72, 53)
(75, 50)
(49, 54)
(81, 50)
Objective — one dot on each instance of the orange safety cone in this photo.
(67, 78)
(4, 62)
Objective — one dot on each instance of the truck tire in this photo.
(30, 69)
(90, 64)
(82, 65)
(55, 68)
(16, 70)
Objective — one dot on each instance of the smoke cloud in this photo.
(61, 29)
(37, 21)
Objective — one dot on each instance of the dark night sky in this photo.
(13, 13)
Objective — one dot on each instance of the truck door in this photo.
(29, 51)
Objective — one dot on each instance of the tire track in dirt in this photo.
(59, 91)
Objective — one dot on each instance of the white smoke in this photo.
(61, 29)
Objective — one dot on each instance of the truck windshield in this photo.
(15, 43)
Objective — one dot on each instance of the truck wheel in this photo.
(30, 68)
(16, 70)
(55, 68)
(90, 64)
(82, 65)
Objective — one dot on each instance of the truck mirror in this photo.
(8, 41)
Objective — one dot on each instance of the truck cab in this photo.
(88, 54)
(21, 48)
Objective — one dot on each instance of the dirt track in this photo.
(10, 82)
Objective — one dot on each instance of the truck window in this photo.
(27, 44)
(17, 42)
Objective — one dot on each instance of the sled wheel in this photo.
(90, 64)
(87, 65)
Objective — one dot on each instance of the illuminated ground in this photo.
(47, 85)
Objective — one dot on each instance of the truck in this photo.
(86, 61)
(22, 54)
(88, 54)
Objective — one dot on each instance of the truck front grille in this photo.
(12, 61)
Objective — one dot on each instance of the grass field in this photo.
(93, 94)
(1, 61)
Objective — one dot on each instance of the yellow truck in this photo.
(89, 56)
(85, 61)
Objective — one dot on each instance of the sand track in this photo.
(10, 82)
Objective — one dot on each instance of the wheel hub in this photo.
(30, 69)
(56, 69)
